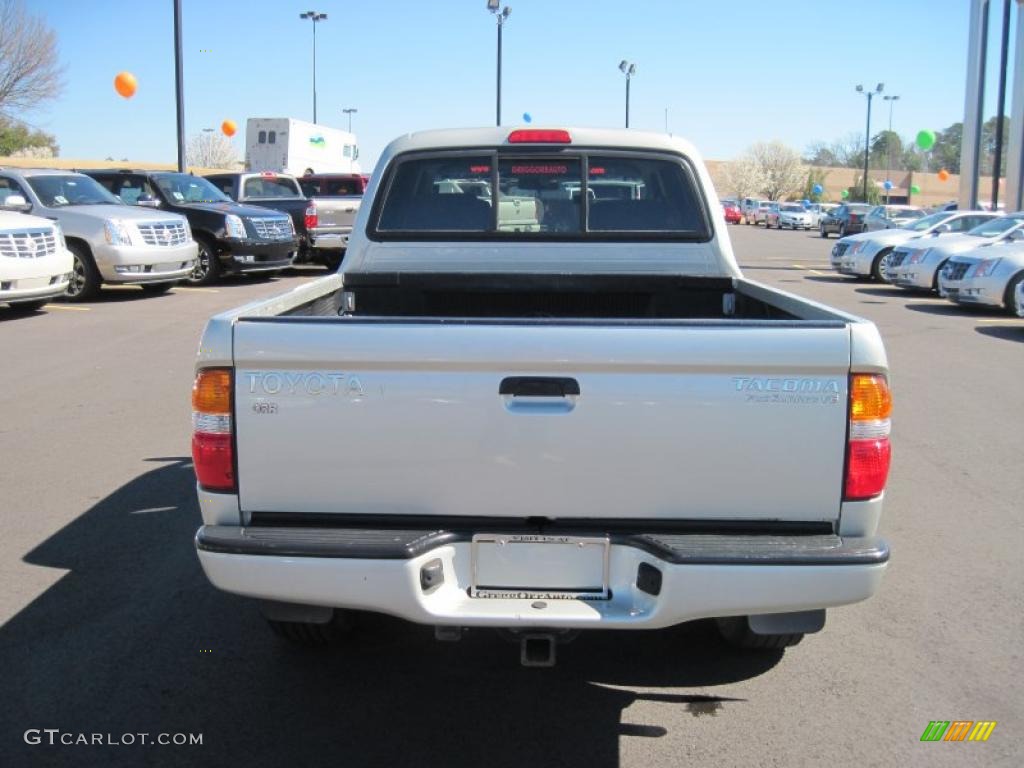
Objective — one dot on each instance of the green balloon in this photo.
(915, 190)
(926, 139)
(845, 194)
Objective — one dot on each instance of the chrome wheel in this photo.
(202, 268)
(85, 278)
(207, 267)
(78, 278)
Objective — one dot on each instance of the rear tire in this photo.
(332, 260)
(735, 630)
(310, 635)
(85, 278)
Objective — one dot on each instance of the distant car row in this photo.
(154, 229)
(969, 257)
(828, 218)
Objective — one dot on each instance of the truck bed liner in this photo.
(660, 297)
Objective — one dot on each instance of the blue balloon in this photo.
(805, 201)
(887, 185)
(527, 118)
(817, 189)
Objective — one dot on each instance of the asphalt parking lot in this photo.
(108, 625)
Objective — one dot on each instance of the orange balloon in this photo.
(943, 175)
(228, 127)
(125, 84)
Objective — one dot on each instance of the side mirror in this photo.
(148, 201)
(942, 229)
(16, 203)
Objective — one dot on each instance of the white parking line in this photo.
(69, 309)
(195, 290)
(1012, 323)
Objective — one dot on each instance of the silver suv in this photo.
(109, 241)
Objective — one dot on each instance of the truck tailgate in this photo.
(740, 420)
(336, 211)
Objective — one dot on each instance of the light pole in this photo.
(888, 142)
(867, 132)
(179, 85)
(627, 68)
(350, 111)
(501, 15)
(314, 16)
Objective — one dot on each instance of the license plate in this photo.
(32, 282)
(535, 566)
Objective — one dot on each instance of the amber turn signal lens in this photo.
(870, 398)
(211, 392)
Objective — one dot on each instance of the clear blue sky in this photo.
(730, 73)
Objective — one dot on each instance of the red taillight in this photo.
(868, 468)
(214, 460)
(311, 218)
(869, 451)
(213, 453)
(539, 136)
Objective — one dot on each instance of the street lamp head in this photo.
(492, 5)
(879, 87)
(505, 12)
(314, 15)
(632, 69)
(860, 89)
(623, 65)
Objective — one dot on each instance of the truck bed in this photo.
(582, 396)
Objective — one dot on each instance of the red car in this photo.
(732, 213)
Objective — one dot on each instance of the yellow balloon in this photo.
(228, 128)
(125, 84)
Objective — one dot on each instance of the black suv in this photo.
(231, 237)
(847, 219)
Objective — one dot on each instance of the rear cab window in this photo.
(577, 195)
(270, 187)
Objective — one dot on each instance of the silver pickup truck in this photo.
(594, 422)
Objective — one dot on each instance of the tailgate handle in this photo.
(538, 386)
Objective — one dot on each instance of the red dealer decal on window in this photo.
(479, 169)
(551, 170)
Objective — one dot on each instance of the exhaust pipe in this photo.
(537, 650)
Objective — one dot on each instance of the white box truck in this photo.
(286, 145)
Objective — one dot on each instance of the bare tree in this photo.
(780, 168)
(210, 150)
(29, 70)
(743, 177)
